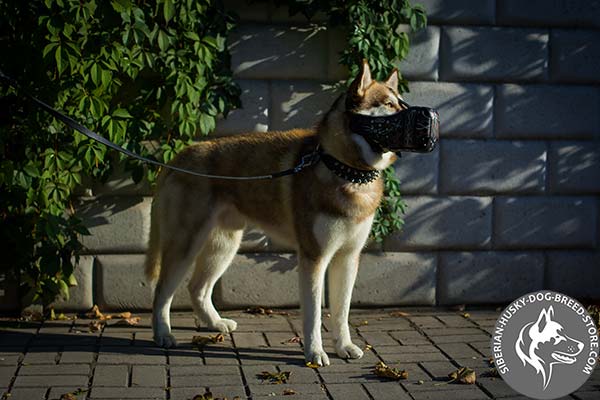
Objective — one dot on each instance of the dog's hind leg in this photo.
(215, 257)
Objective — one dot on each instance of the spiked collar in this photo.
(351, 174)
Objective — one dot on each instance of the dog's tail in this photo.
(153, 255)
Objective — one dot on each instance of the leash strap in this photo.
(306, 160)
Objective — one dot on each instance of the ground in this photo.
(44, 360)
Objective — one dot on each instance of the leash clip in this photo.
(308, 159)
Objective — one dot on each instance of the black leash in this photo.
(306, 161)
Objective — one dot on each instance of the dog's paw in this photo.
(165, 340)
(224, 325)
(317, 357)
(348, 350)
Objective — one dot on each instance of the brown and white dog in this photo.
(325, 217)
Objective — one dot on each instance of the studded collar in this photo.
(351, 174)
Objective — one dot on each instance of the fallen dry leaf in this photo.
(124, 315)
(368, 347)
(94, 313)
(312, 365)
(295, 339)
(362, 323)
(72, 395)
(463, 375)
(399, 314)
(383, 371)
(202, 341)
(466, 315)
(96, 326)
(264, 311)
(131, 321)
(275, 378)
(289, 392)
(205, 396)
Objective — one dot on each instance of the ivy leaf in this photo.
(168, 10)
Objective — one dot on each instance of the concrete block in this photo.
(260, 280)
(418, 173)
(571, 13)
(574, 167)
(485, 277)
(575, 55)
(80, 296)
(279, 52)
(9, 293)
(444, 223)
(545, 222)
(544, 111)
(337, 44)
(253, 116)
(280, 13)
(423, 56)
(299, 104)
(468, 12)
(484, 167)
(247, 10)
(465, 109)
(116, 224)
(575, 273)
(494, 54)
(120, 284)
(120, 183)
(256, 241)
(390, 279)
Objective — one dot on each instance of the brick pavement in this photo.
(43, 360)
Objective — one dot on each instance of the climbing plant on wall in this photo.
(137, 72)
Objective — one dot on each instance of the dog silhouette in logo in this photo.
(543, 344)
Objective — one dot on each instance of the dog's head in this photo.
(544, 343)
(365, 96)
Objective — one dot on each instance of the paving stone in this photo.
(409, 338)
(130, 216)
(426, 322)
(459, 350)
(423, 58)
(385, 324)
(78, 393)
(278, 52)
(300, 374)
(465, 109)
(574, 167)
(301, 389)
(255, 279)
(479, 12)
(224, 392)
(111, 375)
(439, 222)
(413, 357)
(47, 380)
(220, 357)
(496, 387)
(41, 355)
(451, 394)
(406, 349)
(575, 13)
(149, 375)
(376, 283)
(418, 173)
(546, 111)
(28, 393)
(186, 357)
(63, 369)
(347, 391)
(571, 272)
(205, 380)
(127, 393)
(544, 222)
(386, 391)
(249, 340)
(300, 104)
(6, 375)
(133, 355)
(575, 55)
(121, 284)
(379, 339)
(488, 277)
(452, 331)
(473, 54)
(486, 167)
(253, 116)
(456, 321)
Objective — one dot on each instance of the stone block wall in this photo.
(507, 204)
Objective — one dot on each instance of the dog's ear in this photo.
(544, 318)
(392, 80)
(363, 80)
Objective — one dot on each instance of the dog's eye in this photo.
(389, 104)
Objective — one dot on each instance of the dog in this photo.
(325, 212)
(543, 344)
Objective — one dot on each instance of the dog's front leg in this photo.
(342, 274)
(312, 275)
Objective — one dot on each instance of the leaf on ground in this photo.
(206, 396)
(361, 323)
(275, 378)
(94, 313)
(466, 315)
(131, 321)
(463, 375)
(295, 339)
(312, 365)
(72, 395)
(368, 347)
(491, 373)
(96, 326)
(289, 392)
(202, 341)
(384, 371)
(124, 315)
(264, 311)
(399, 314)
